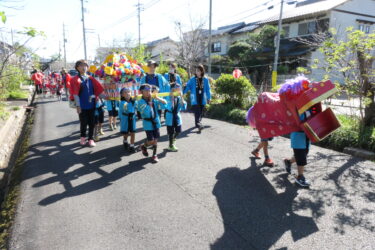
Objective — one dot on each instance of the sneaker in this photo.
(302, 182)
(268, 162)
(126, 145)
(144, 150)
(199, 130)
(112, 128)
(83, 141)
(155, 159)
(173, 148)
(92, 143)
(256, 154)
(132, 149)
(115, 127)
(101, 132)
(96, 138)
(288, 166)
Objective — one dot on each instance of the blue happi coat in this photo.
(150, 117)
(191, 87)
(127, 114)
(173, 117)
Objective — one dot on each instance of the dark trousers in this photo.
(38, 89)
(198, 114)
(87, 118)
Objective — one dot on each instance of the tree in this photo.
(192, 44)
(353, 58)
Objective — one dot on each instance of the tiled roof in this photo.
(153, 43)
(305, 9)
(247, 28)
(227, 29)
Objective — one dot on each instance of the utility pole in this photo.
(64, 42)
(139, 24)
(209, 40)
(84, 30)
(99, 39)
(274, 71)
(11, 33)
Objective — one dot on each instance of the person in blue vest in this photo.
(147, 106)
(128, 118)
(200, 94)
(300, 144)
(172, 76)
(155, 79)
(173, 118)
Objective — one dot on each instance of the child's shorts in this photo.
(99, 118)
(267, 139)
(301, 156)
(153, 134)
(113, 113)
(173, 129)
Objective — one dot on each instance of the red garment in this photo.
(75, 84)
(68, 78)
(273, 117)
(37, 78)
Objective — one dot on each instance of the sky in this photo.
(106, 20)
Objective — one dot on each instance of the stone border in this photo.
(368, 155)
(11, 136)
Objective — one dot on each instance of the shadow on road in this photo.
(254, 214)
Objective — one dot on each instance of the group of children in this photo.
(147, 108)
(48, 83)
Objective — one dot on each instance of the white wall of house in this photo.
(167, 48)
(225, 42)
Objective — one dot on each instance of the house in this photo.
(317, 16)
(164, 48)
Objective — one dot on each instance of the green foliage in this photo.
(222, 64)
(282, 69)
(227, 112)
(4, 114)
(238, 50)
(11, 80)
(140, 54)
(16, 108)
(32, 32)
(352, 58)
(302, 70)
(18, 94)
(164, 68)
(3, 16)
(238, 92)
(263, 39)
(351, 134)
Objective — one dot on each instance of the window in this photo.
(216, 47)
(361, 27)
(312, 27)
(367, 31)
(286, 31)
(302, 29)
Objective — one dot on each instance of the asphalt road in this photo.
(209, 195)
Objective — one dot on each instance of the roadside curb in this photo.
(368, 155)
(11, 137)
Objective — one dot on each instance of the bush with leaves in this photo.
(236, 91)
(164, 68)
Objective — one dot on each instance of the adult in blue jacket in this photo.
(200, 94)
(172, 75)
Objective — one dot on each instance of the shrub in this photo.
(18, 94)
(350, 135)
(282, 69)
(164, 68)
(226, 112)
(238, 92)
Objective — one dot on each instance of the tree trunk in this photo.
(367, 90)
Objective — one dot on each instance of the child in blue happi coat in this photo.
(128, 118)
(173, 118)
(112, 107)
(148, 108)
(99, 118)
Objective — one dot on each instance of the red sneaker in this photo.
(268, 162)
(256, 154)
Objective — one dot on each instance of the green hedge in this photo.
(236, 91)
(350, 135)
(226, 112)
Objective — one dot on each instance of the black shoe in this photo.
(126, 145)
(199, 130)
(131, 149)
(302, 182)
(288, 166)
(144, 150)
